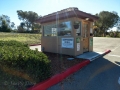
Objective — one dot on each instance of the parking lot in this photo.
(101, 74)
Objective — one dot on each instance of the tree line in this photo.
(27, 24)
(28, 19)
(106, 21)
(5, 24)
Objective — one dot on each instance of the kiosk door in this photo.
(85, 37)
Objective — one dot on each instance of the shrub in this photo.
(119, 34)
(17, 55)
(13, 43)
(111, 34)
(107, 36)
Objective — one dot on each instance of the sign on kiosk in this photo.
(67, 42)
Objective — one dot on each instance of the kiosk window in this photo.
(50, 30)
(64, 29)
(78, 31)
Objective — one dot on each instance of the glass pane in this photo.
(50, 30)
(78, 31)
(64, 29)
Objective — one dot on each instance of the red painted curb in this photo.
(59, 77)
(34, 44)
(107, 51)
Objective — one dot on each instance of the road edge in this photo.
(34, 44)
(59, 77)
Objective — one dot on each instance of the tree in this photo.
(5, 24)
(118, 24)
(20, 29)
(28, 18)
(12, 24)
(4, 27)
(37, 26)
(22, 24)
(6, 19)
(106, 20)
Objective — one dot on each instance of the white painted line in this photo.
(114, 55)
(115, 48)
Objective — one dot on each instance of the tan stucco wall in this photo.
(53, 44)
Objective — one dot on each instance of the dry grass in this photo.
(21, 37)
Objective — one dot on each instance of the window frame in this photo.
(58, 28)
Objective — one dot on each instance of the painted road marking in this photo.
(113, 55)
(119, 80)
(116, 48)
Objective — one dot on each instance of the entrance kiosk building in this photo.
(69, 31)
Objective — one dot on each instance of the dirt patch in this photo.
(60, 63)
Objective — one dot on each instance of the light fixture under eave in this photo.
(86, 18)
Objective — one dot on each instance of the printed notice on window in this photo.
(67, 43)
(78, 46)
(54, 30)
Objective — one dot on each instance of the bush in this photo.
(5, 28)
(111, 34)
(17, 55)
(119, 34)
(107, 36)
(114, 34)
(13, 43)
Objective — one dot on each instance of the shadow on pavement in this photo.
(100, 74)
(89, 55)
(117, 62)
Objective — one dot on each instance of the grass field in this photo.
(22, 37)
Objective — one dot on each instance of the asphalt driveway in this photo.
(101, 74)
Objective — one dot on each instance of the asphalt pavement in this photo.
(101, 74)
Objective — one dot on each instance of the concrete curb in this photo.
(59, 77)
(34, 44)
(106, 52)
